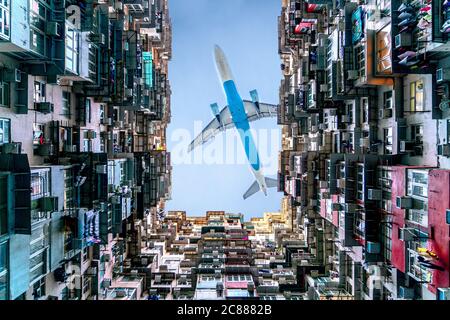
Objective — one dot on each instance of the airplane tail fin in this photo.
(254, 188)
(271, 183)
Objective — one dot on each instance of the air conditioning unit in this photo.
(312, 202)
(323, 88)
(91, 134)
(406, 234)
(15, 147)
(442, 74)
(326, 195)
(404, 202)
(314, 273)
(48, 204)
(92, 271)
(444, 150)
(45, 150)
(118, 6)
(406, 293)
(364, 142)
(373, 247)
(336, 207)
(323, 184)
(407, 146)
(350, 207)
(129, 92)
(403, 40)
(101, 168)
(109, 121)
(345, 119)
(97, 38)
(14, 75)
(352, 74)
(44, 107)
(374, 194)
(341, 183)
(52, 28)
(387, 113)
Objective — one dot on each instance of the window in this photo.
(86, 284)
(66, 103)
(102, 113)
(365, 110)
(39, 92)
(5, 131)
(360, 60)
(386, 239)
(71, 48)
(387, 140)
(414, 267)
(387, 100)
(88, 110)
(5, 92)
(417, 133)
(40, 184)
(38, 134)
(418, 183)
(68, 189)
(3, 270)
(416, 90)
(3, 205)
(39, 289)
(4, 20)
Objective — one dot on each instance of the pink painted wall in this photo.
(438, 202)
(398, 189)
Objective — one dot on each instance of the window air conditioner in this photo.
(406, 234)
(406, 293)
(374, 194)
(404, 202)
(444, 150)
(373, 247)
(44, 107)
(97, 38)
(52, 28)
(403, 40)
(442, 74)
(352, 74)
(14, 75)
(14, 147)
(324, 88)
(364, 142)
(48, 204)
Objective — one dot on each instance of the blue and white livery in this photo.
(238, 113)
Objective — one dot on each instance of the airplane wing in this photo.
(265, 110)
(214, 127)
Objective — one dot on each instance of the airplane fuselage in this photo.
(239, 117)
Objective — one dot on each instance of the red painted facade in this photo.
(398, 217)
(438, 203)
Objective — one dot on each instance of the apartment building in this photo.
(364, 162)
(84, 170)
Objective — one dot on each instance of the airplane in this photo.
(238, 113)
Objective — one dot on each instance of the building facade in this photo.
(84, 170)
(364, 162)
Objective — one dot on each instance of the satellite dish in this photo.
(444, 105)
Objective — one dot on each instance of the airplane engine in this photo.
(255, 97)
(215, 111)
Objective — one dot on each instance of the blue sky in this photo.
(247, 32)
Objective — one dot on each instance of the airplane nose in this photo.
(223, 68)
